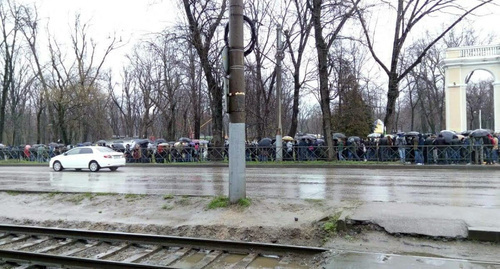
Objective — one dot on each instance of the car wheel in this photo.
(57, 166)
(113, 168)
(94, 166)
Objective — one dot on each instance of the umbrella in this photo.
(353, 138)
(142, 142)
(117, 146)
(101, 142)
(310, 137)
(338, 135)
(87, 144)
(320, 141)
(166, 145)
(466, 133)
(184, 139)
(412, 133)
(265, 142)
(160, 140)
(53, 144)
(178, 145)
(287, 138)
(447, 135)
(374, 135)
(480, 133)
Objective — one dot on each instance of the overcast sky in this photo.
(133, 20)
(138, 17)
(129, 16)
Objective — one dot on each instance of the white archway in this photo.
(459, 63)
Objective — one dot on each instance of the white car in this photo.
(93, 158)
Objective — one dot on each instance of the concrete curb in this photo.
(431, 220)
(484, 234)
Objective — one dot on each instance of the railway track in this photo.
(39, 247)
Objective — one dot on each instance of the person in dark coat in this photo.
(440, 144)
(455, 150)
(302, 150)
(383, 148)
(428, 150)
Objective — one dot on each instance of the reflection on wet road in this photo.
(437, 187)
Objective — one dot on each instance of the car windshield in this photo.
(103, 149)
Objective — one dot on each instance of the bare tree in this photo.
(480, 98)
(75, 80)
(9, 27)
(128, 102)
(260, 82)
(195, 86)
(171, 76)
(147, 75)
(19, 94)
(408, 15)
(30, 29)
(297, 36)
(333, 20)
(203, 19)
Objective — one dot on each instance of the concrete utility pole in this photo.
(480, 126)
(236, 109)
(279, 57)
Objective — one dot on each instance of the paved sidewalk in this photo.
(430, 220)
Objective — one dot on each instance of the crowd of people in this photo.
(419, 149)
(414, 148)
(165, 152)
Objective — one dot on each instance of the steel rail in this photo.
(56, 260)
(225, 245)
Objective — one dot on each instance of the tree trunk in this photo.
(39, 123)
(61, 124)
(215, 90)
(322, 51)
(295, 106)
(392, 96)
(7, 78)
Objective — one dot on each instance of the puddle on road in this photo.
(351, 260)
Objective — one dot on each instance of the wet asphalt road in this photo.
(470, 188)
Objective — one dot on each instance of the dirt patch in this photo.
(265, 220)
(297, 222)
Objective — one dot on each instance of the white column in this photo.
(463, 107)
(447, 108)
(496, 105)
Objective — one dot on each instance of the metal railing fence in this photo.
(427, 154)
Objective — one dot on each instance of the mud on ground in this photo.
(297, 222)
